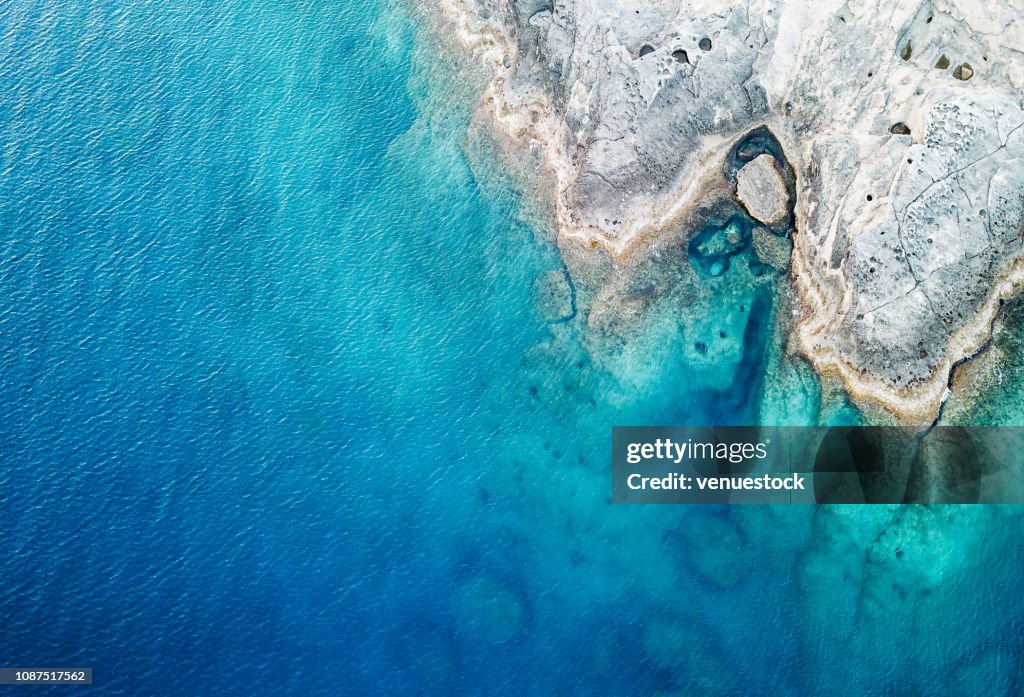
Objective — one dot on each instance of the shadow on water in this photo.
(728, 235)
(738, 403)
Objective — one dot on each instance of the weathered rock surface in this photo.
(772, 249)
(762, 191)
(903, 122)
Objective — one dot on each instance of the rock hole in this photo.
(646, 50)
(870, 197)
(680, 56)
(705, 44)
(900, 128)
(910, 160)
(871, 74)
(942, 63)
(963, 72)
(929, 240)
(929, 20)
(701, 347)
(721, 335)
(906, 52)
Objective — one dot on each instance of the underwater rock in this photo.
(683, 648)
(772, 249)
(554, 296)
(762, 191)
(715, 550)
(913, 568)
(993, 667)
(947, 469)
(487, 611)
(711, 249)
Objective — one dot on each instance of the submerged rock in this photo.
(711, 249)
(773, 250)
(554, 294)
(762, 191)
(488, 611)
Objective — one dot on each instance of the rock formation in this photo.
(900, 126)
(762, 190)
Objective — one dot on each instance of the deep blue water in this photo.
(279, 413)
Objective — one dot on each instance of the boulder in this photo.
(762, 190)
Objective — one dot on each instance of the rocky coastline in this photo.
(883, 145)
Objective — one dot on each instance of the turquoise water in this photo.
(281, 411)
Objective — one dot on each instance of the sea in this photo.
(284, 409)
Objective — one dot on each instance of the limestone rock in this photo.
(762, 191)
(903, 124)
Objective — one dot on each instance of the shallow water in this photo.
(281, 413)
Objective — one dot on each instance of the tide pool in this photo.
(282, 411)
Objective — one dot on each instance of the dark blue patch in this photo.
(711, 249)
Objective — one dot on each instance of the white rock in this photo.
(762, 191)
(904, 242)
